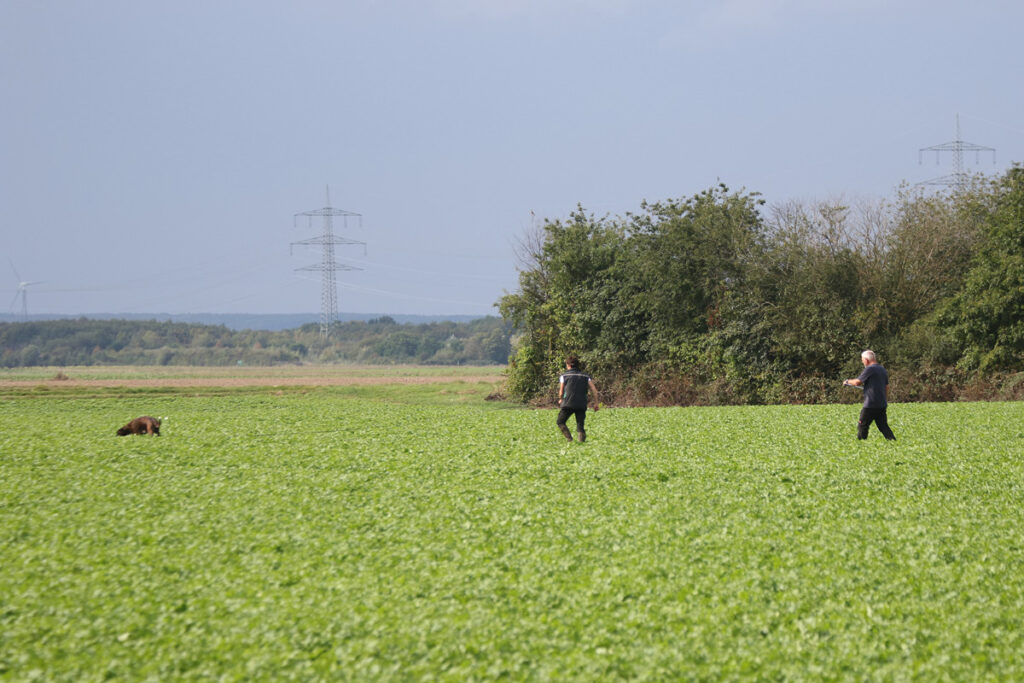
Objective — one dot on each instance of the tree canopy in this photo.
(121, 342)
(720, 298)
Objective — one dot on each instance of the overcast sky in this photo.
(153, 154)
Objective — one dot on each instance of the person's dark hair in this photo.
(573, 362)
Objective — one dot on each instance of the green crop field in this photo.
(385, 534)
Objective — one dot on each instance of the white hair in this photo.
(868, 355)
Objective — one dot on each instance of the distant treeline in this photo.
(718, 298)
(238, 321)
(132, 342)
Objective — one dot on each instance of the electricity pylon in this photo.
(328, 266)
(958, 179)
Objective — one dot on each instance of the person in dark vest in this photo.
(573, 389)
(874, 380)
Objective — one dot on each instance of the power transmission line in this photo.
(328, 265)
(957, 179)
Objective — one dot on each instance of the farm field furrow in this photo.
(327, 535)
(244, 375)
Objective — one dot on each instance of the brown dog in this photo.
(141, 425)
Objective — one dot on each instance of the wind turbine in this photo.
(22, 291)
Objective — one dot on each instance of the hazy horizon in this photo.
(241, 320)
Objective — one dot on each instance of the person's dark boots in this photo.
(565, 432)
(582, 436)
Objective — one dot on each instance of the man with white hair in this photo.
(875, 382)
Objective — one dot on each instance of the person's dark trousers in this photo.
(581, 416)
(878, 416)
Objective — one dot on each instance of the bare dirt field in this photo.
(186, 377)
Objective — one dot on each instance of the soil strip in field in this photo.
(256, 381)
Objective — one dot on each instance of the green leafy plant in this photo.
(323, 536)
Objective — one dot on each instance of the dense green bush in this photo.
(716, 299)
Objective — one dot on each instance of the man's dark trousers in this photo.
(581, 416)
(878, 416)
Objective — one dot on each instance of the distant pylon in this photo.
(327, 266)
(958, 179)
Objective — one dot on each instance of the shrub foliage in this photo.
(721, 299)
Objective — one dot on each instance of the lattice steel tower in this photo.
(328, 266)
(958, 179)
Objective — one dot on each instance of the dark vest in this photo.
(574, 394)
